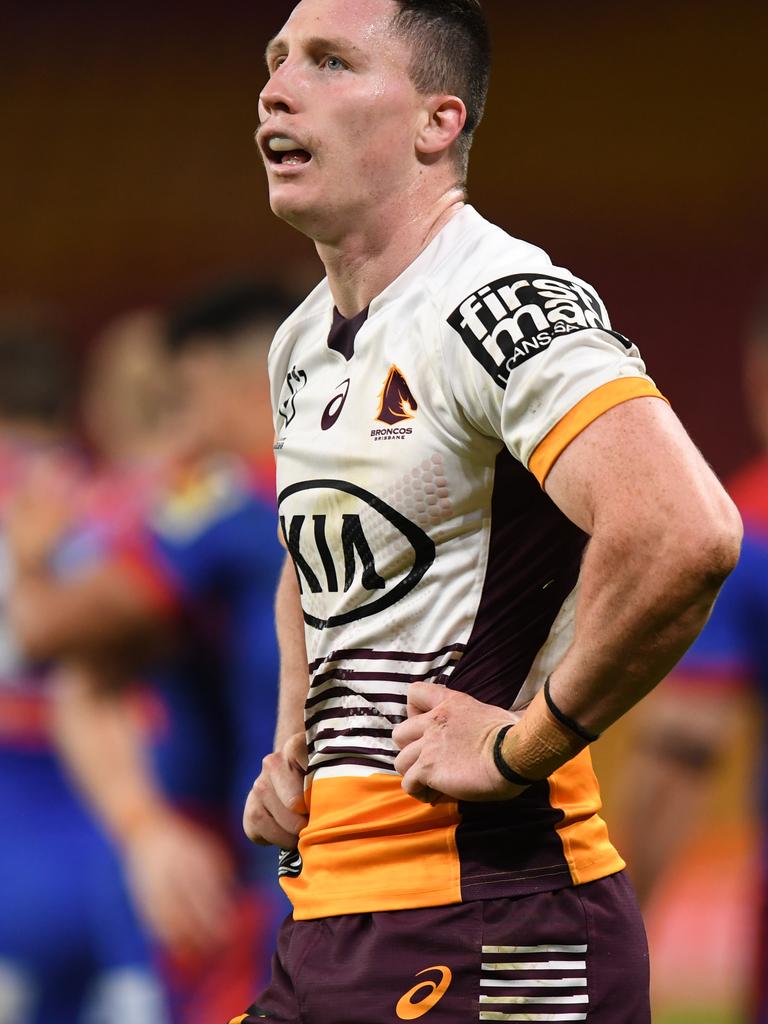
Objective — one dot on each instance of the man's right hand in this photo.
(275, 811)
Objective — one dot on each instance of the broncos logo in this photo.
(397, 400)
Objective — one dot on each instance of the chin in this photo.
(309, 216)
(288, 205)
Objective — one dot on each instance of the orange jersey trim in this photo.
(593, 405)
(403, 854)
(574, 790)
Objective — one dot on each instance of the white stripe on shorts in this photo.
(535, 949)
(533, 1016)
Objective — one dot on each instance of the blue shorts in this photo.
(68, 931)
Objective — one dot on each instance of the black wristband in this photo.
(566, 720)
(509, 773)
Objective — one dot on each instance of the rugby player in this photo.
(500, 539)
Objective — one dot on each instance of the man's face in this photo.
(224, 396)
(338, 116)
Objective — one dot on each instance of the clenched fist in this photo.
(446, 746)
(275, 811)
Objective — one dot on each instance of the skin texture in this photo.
(371, 200)
(664, 535)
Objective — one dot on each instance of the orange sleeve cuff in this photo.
(582, 414)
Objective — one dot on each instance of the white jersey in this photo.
(412, 445)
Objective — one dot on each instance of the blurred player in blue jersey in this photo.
(194, 585)
(71, 948)
(688, 726)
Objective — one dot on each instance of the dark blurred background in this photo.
(627, 139)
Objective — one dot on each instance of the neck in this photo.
(362, 263)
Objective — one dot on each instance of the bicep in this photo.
(634, 465)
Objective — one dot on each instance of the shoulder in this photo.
(489, 282)
(311, 315)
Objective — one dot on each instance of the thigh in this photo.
(577, 954)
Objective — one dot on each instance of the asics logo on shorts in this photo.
(422, 997)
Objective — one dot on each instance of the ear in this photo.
(445, 116)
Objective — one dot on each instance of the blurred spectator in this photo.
(688, 725)
(194, 584)
(71, 949)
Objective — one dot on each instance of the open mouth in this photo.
(286, 152)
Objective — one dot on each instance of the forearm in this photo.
(641, 604)
(664, 536)
(636, 615)
(294, 673)
(103, 747)
(103, 612)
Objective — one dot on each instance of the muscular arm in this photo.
(106, 608)
(664, 536)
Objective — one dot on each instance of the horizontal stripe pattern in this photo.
(356, 697)
(534, 983)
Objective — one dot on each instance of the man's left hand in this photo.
(446, 746)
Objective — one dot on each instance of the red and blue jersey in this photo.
(69, 934)
(208, 553)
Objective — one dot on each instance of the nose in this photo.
(277, 95)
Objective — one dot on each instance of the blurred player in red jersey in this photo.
(460, 437)
(71, 947)
(686, 729)
(195, 579)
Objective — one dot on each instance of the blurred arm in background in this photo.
(678, 743)
(181, 875)
(683, 733)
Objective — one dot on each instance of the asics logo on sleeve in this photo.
(424, 996)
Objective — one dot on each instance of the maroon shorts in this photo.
(576, 954)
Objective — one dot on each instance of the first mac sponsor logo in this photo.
(511, 320)
(354, 554)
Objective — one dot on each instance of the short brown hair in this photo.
(451, 54)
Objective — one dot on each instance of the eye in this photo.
(334, 64)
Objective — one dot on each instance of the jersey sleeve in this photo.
(532, 359)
